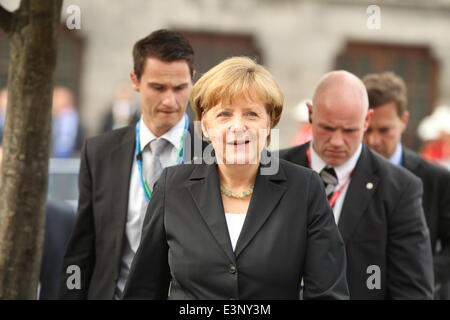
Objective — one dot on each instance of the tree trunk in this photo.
(32, 32)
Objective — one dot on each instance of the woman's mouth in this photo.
(238, 143)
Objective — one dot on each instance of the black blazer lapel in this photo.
(205, 192)
(296, 155)
(121, 161)
(266, 195)
(362, 186)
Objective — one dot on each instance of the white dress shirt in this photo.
(235, 222)
(396, 158)
(137, 203)
(343, 173)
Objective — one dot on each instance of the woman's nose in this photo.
(237, 124)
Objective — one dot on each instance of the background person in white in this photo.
(112, 199)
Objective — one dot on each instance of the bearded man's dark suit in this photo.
(382, 224)
(96, 243)
(436, 205)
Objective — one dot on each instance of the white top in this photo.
(137, 203)
(396, 158)
(343, 173)
(235, 221)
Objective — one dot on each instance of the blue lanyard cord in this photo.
(138, 154)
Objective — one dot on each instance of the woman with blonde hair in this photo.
(227, 230)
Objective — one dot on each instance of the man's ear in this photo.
(134, 81)
(310, 111)
(405, 119)
(368, 118)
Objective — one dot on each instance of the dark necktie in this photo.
(330, 180)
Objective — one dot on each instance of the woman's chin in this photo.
(240, 158)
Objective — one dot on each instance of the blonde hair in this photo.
(234, 78)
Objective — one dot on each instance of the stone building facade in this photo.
(298, 41)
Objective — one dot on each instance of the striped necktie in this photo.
(330, 180)
(154, 166)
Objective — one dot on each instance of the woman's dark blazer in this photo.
(289, 234)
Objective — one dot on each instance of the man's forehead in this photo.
(386, 110)
(156, 66)
(337, 117)
(379, 120)
(167, 76)
(338, 108)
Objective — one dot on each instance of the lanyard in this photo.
(332, 200)
(138, 154)
(336, 194)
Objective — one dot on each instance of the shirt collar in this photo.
(173, 135)
(396, 158)
(342, 171)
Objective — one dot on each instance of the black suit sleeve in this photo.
(409, 256)
(80, 250)
(325, 265)
(150, 274)
(442, 258)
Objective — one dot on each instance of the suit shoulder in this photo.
(292, 151)
(291, 168)
(180, 172)
(396, 175)
(183, 172)
(433, 169)
(110, 138)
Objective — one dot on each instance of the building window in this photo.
(415, 64)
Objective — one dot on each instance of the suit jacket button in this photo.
(232, 269)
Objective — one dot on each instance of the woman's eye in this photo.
(223, 114)
(252, 114)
